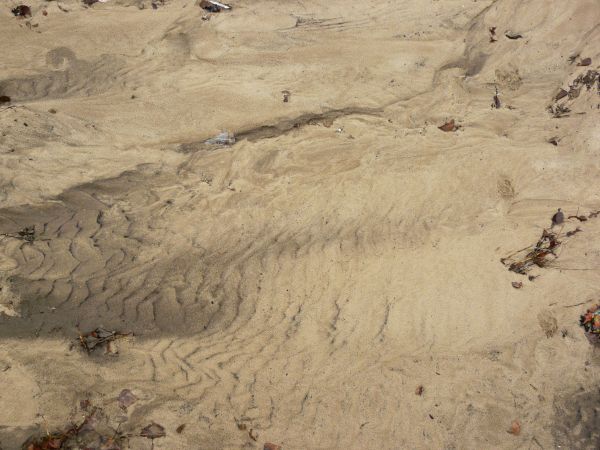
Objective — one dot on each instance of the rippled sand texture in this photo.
(306, 280)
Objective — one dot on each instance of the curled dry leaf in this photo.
(180, 428)
(513, 35)
(126, 399)
(213, 6)
(21, 11)
(253, 436)
(449, 126)
(580, 218)
(585, 62)
(270, 446)
(515, 428)
(153, 431)
(517, 284)
(497, 104)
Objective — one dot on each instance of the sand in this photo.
(298, 286)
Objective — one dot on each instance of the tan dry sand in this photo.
(305, 281)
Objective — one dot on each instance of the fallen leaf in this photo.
(180, 428)
(515, 428)
(153, 431)
(270, 446)
(21, 11)
(420, 389)
(513, 35)
(497, 104)
(213, 6)
(449, 126)
(126, 398)
(517, 284)
(585, 62)
(252, 435)
(580, 218)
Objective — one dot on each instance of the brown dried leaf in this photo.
(515, 428)
(513, 35)
(419, 390)
(517, 284)
(270, 446)
(497, 104)
(212, 6)
(449, 126)
(126, 398)
(153, 431)
(585, 62)
(580, 218)
(21, 11)
(252, 435)
(180, 428)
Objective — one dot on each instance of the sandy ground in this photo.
(304, 282)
